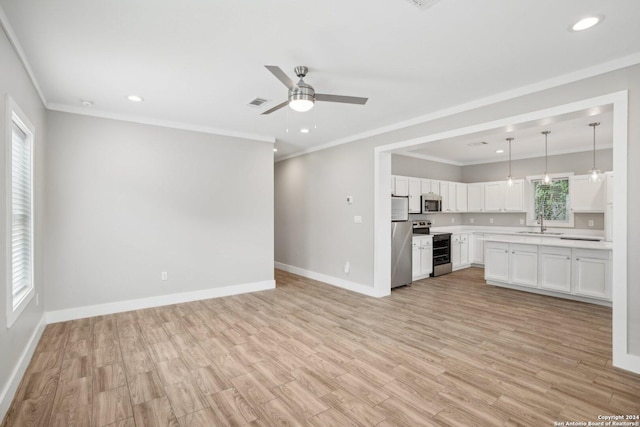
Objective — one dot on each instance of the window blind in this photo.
(22, 211)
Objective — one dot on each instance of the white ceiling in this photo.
(199, 63)
(570, 133)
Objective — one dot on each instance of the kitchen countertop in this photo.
(515, 235)
(547, 241)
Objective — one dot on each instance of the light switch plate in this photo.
(357, 219)
(350, 200)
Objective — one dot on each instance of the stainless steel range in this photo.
(441, 247)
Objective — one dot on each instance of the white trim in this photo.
(619, 100)
(13, 381)
(13, 39)
(430, 158)
(84, 111)
(617, 64)
(157, 301)
(620, 317)
(329, 280)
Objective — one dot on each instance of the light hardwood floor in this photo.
(445, 351)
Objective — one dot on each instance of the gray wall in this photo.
(15, 82)
(315, 227)
(419, 168)
(578, 163)
(314, 169)
(128, 201)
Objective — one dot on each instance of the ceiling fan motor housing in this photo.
(302, 91)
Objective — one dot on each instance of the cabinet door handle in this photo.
(568, 257)
(577, 259)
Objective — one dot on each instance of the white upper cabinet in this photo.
(586, 196)
(414, 195)
(429, 186)
(514, 196)
(461, 197)
(475, 197)
(401, 187)
(448, 193)
(501, 197)
(494, 196)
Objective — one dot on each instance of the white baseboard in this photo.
(11, 386)
(330, 280)
(158, 301)
(628, 362)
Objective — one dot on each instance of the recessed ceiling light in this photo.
(586, 23)
(304, 130)
(499, 151)
(86, 103)
(135, 98)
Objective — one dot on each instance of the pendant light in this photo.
(547, 178)
(595, 174)
(510, 177)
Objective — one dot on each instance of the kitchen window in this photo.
(20, 138)
(551, 200)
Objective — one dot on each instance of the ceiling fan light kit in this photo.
(302, 96)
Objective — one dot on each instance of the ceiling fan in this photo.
(302, 96)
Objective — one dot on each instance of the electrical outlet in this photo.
(453, 220)
(357, 219)
(347, 267)
(590, 223)
(163, 276)
(471, 220)
(490, 220)
(521, 221)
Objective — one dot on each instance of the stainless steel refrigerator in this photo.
(401, 239)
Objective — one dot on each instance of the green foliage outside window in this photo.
(552, 199)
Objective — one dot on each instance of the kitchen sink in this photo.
(545, 233)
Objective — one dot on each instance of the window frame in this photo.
(16, 303)
(532, 221)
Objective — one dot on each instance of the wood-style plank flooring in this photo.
(445, 351)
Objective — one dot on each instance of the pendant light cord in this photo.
(594, 125)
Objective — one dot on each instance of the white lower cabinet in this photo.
(422, 257)
(476, 248)
(523, 265)
(496, 261)
(570, 271)
(591, 273)
(554, 270)
(460, 251)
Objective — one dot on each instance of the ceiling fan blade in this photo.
(277, 107)
(280, 75)
(340, 98)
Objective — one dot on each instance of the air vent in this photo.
(477, 144)
(423, 4)
(257, 102)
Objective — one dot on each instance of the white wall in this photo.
(314, 168)
(128, 201)
(15, 342)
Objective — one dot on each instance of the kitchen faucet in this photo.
(541, 222)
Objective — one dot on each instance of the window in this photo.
(20, 208)
(551, 200)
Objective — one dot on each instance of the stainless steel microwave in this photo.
(431, 202)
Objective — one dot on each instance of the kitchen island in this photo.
(562, 266)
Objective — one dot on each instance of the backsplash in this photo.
(581, 220)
